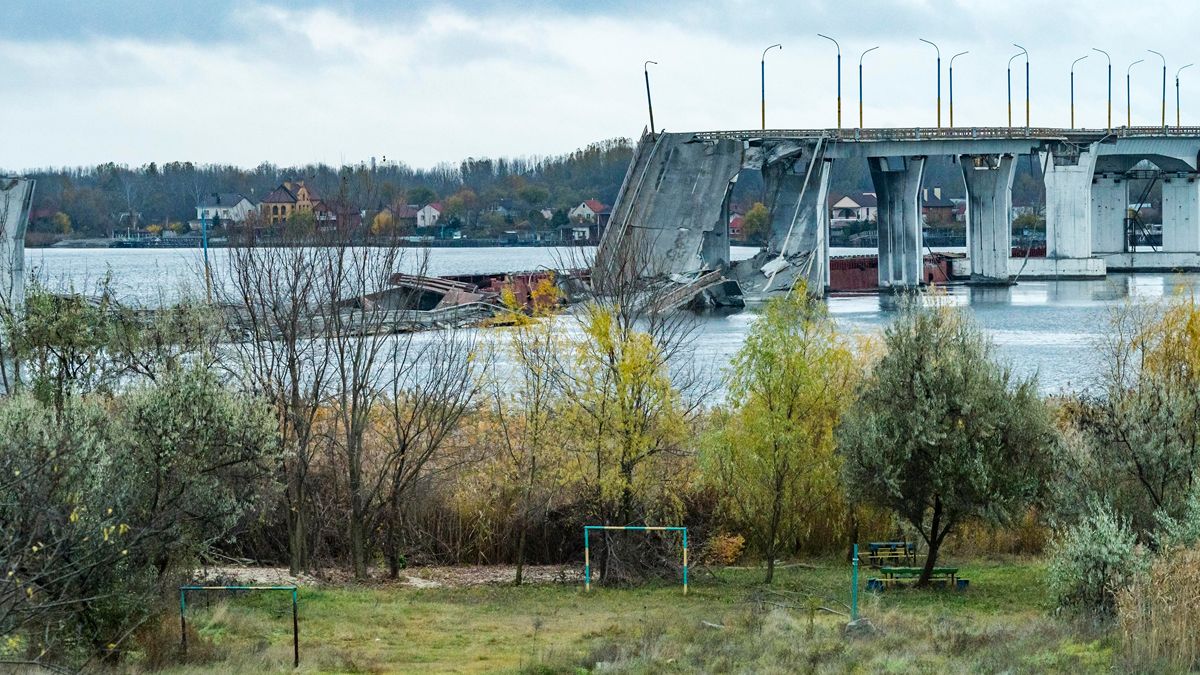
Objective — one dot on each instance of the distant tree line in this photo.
(108, 198)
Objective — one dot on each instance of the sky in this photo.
(420, 82)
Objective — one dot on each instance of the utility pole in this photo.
(1026, 53)
(1109, 58)
(649, 103)
(1073, 88)
(952, 86)
(1164, 87)
(860, 85)
(763, 71)
(839, 77)
(939, 80)
(1128, 97)
(1177, 123)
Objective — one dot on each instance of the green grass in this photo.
(1003, 623)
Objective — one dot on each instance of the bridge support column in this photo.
(1068, 203)
(1181, 213)
(15, 197)
(897, 183)
(1110, 200)
(989, 214)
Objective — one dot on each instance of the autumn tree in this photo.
(772, 456)
(525, 407)
(941, 434)
(756, 221)
(1138, 443)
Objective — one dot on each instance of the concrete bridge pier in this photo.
(989, 181)
(897, 183)
(1181, 213)
(1067, 171)
(16, 194)
(1110, 200)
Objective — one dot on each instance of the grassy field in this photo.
(728, 623)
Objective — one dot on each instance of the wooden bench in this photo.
(880, 553)
(899, 576)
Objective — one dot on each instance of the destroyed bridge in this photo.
(673, 206)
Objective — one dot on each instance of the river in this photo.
(1045, 327)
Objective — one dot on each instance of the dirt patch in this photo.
(416, 577)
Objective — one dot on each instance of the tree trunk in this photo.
(520, 555)
(934, 542)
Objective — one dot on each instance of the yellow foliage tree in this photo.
(627, 419)
(772, 454)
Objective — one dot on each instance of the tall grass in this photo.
(1159, 613)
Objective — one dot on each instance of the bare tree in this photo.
(276, 295)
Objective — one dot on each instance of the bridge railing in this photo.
(958, 133)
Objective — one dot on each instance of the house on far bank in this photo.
(223, 208)
(587, 222)
(590, 211)
(859, 207)
(735, 227)
(333, 216)
(403, 216)
(290, 197)
(936, 209)
(429, 215)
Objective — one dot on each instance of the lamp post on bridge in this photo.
(1026, 53)
(839, 77)
(1164, 87)
(649, 103)
(860, 86)
(1128, 97)
(1177, 123)
(952, 86)
(939, 80)
(1109, 58)
(1073, 88)
(764, 82)
(1010, 60)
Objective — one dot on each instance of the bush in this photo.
(1094, 560)
(1158, 614)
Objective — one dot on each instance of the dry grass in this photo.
(1159, 615)
(1004, 623)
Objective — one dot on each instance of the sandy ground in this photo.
(417, 577)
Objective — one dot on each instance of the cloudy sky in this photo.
(299, 81)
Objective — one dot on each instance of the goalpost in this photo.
(587, 557)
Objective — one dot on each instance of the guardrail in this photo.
(957, 133)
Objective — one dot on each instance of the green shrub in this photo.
(1093, 560)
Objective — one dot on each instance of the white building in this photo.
(428, 215)
(225, 207)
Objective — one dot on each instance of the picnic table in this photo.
(893, 576)
(880, 553)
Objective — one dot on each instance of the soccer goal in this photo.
(587, 555)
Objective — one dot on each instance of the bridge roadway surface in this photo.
(674, 202)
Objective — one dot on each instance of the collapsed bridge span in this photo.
(671, 217)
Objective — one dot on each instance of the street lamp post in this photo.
(1177, 92)
(1109, 58)
(1010, 60)
(1128, 97)
(860, 85)
(952, 86)
(1164, 86)
(763, 71)
(1026, 53)
(939, 80)
(1073, 88)
(839, 77)
(649, 103)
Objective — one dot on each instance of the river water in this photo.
(1048, 328)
